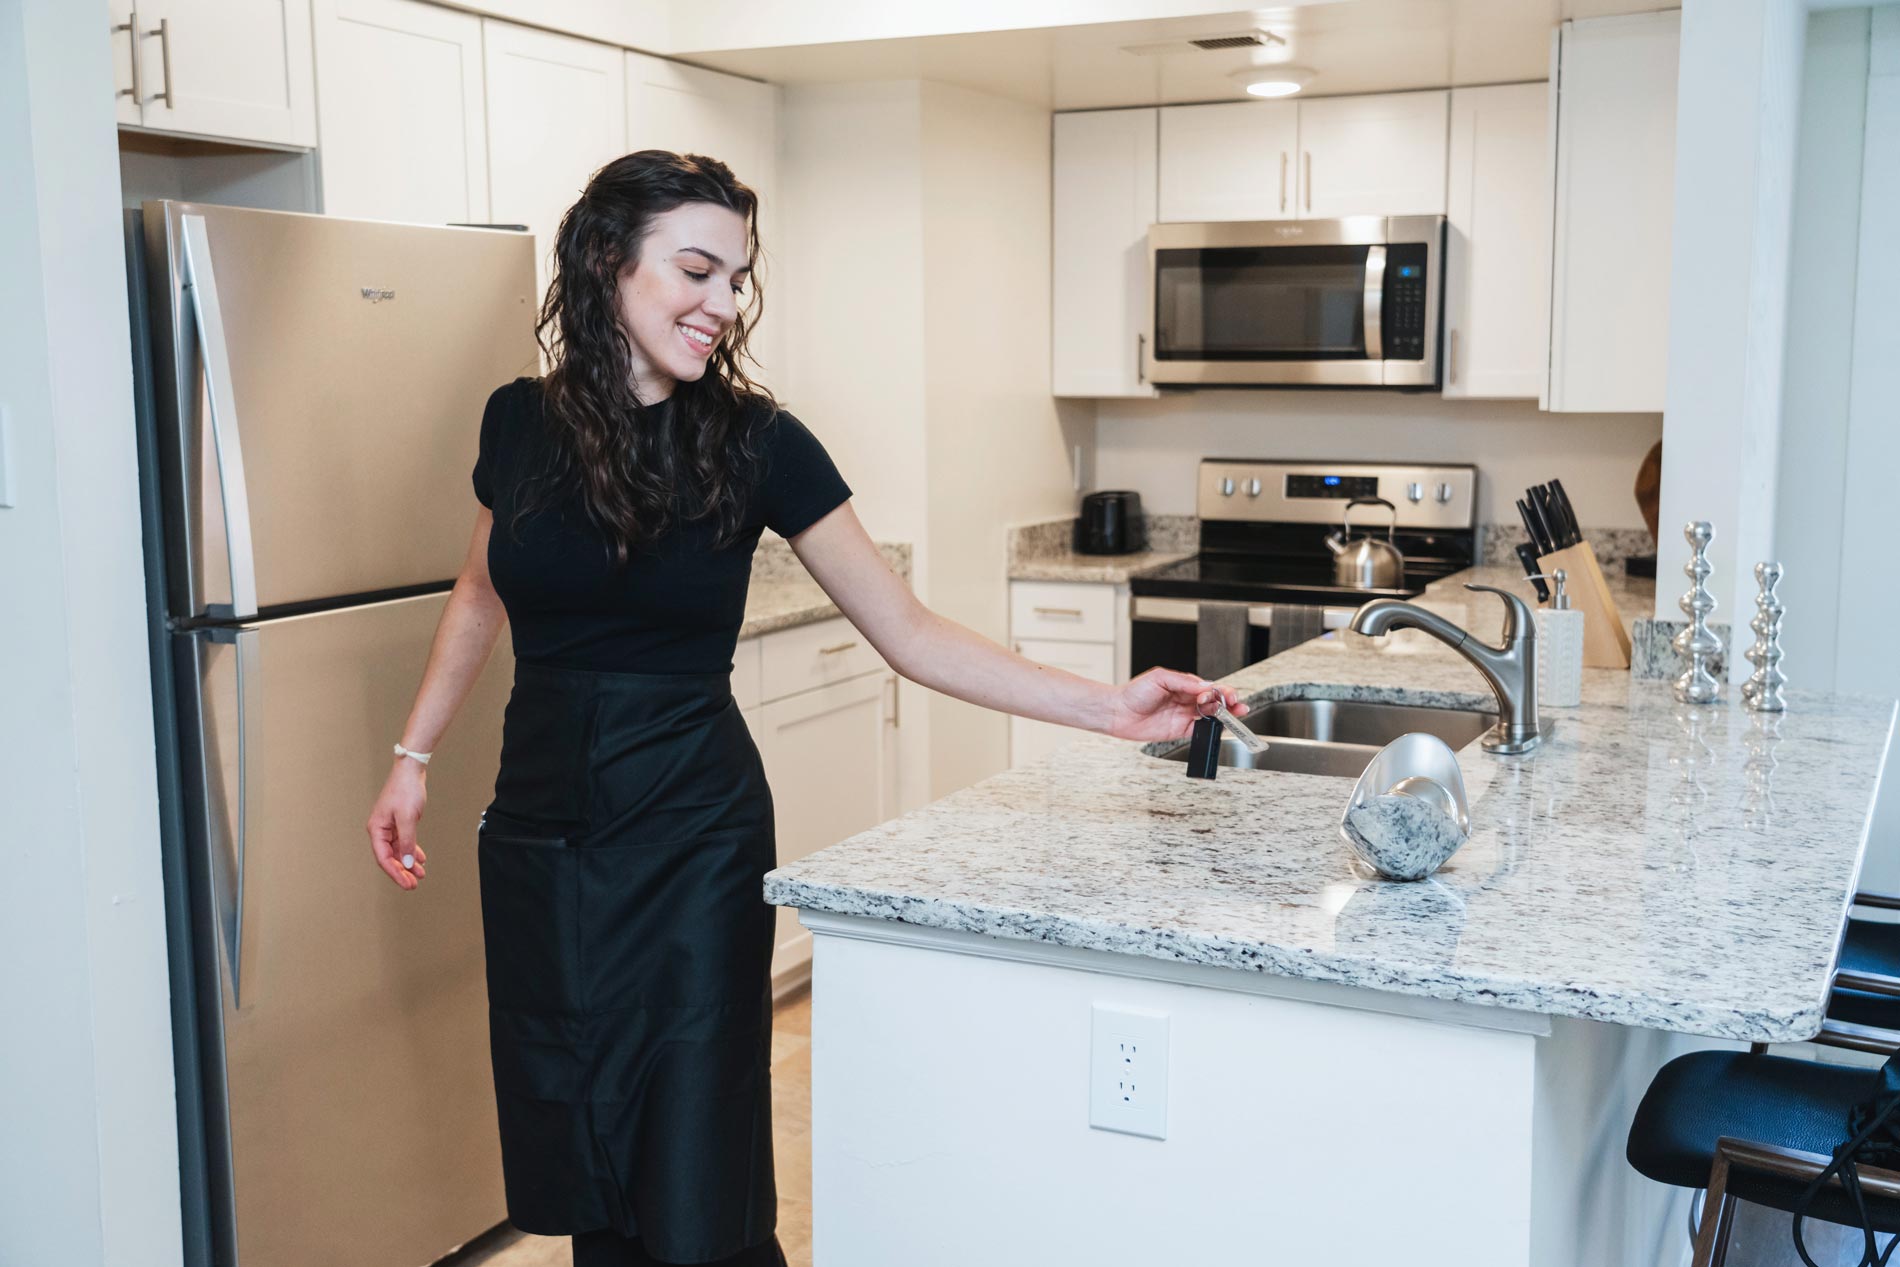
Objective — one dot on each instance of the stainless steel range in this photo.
(1265, 578)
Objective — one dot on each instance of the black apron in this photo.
(629, 952)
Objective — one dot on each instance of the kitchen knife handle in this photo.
(1527, 555)
(1569, 512)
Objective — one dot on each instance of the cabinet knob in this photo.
(1444, 493)
(1227, 487)
(1415, 492)
(1253, 488)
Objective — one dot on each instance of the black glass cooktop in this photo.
(1253, 579)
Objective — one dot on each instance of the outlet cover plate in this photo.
(1128, 1071)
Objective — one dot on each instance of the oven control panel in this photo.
(1254, 491)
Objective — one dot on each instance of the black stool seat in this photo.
(1871, 948)
(1699, 1098)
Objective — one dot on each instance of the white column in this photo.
(1737, 102)
(89, 1163)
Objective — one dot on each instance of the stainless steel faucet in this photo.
(1511, 669)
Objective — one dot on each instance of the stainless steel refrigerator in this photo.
(310, 394)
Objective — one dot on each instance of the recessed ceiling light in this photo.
(1273, 81)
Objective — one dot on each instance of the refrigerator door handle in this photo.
(233, 822)
(201, 286)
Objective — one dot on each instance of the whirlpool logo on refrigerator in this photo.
(376, 294)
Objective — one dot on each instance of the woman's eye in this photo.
(698, 277)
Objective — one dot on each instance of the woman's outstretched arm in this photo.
(939, 653)
(464, 638)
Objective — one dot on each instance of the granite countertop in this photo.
(1042, 552)
(1650, 864)
(782, 594)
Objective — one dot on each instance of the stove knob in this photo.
(1444, 493)
(1227, 488)
(1415, 492)
(1253, 488)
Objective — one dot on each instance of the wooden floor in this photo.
(791, 1141)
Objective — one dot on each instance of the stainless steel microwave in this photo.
(1354, 302)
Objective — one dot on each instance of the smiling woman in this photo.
(623, 857)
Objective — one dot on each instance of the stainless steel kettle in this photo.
(1364, 562)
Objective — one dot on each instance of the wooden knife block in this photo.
(1606, 644)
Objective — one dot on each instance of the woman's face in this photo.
(681, 297)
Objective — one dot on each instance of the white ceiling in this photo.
(1352, 46)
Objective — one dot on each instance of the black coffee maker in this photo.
(1111, 523)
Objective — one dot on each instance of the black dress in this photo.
(628, 941)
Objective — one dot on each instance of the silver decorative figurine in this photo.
(1697, 643)
(1762, 691)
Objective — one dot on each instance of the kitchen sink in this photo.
(1337, 737)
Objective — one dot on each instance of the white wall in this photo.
(1737, 103)
(1152, 446)
(912, 294)
(997, 449)
(89, 1163)
(1825, 260)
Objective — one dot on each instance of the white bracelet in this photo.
(423, 757)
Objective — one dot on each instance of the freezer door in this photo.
(357, 1114)
(319, 393)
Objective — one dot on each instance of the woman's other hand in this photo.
(1164, 703)
(392, 824)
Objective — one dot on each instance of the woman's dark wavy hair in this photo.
(640, 470)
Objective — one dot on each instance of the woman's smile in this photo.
(699, 339)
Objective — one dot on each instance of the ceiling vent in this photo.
(1253, 37)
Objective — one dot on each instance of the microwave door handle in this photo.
(201, 283)
(1375, 302)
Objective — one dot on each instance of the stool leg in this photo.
(1718, 1218)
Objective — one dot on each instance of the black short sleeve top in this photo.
(677, 604)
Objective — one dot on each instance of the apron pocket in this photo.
(678, 924)
(530, 922)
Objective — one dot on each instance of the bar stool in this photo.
(1753, 1127)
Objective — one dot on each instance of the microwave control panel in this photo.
(1402, 314)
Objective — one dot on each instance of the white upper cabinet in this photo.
(693, 111)
(384, 60)
(557, 111)
(1615, 107)
(228, 69)
(1104, 201)
(1232, 161)
(1497, 256)
(1379, 155)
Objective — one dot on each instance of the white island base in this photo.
(1306, 1123)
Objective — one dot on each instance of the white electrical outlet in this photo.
(1128, 1071)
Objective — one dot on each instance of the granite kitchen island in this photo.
(1339, 1069)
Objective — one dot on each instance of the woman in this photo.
(628, 943)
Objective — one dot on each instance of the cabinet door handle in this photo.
(835, 648)
(1283, 180)
(1141, 359)
(1307, 179)
(164, 34)
(1451, 360)
(1059, 611)
(136, 91)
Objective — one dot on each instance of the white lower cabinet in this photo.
(1081, 627)
(1033, 740)
(830, 754)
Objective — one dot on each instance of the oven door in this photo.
(1343, 303)
(1169, 632)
